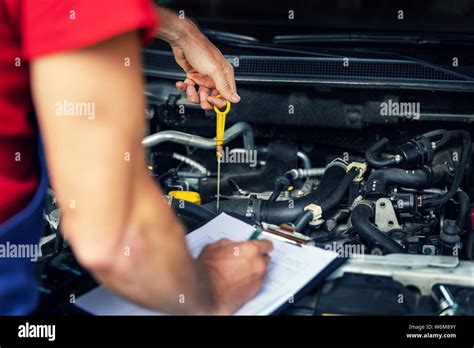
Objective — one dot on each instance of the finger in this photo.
(219, 102)
(255, 286)
(219, 244)
(192, 94)
(214, 92)
(223, 242)
(260, 269)
(225, 82)
(180, 85)
(264, 245)
(189, 82)
(203, 95)
(267, 259)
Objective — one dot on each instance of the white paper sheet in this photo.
(291, 268)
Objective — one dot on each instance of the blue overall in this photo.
(18, 292)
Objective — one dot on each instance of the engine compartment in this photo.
(391, 194)
(394, 197)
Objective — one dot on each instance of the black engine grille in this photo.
(297, 69)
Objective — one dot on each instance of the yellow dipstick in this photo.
(220, 129)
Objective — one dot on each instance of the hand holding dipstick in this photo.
(220, 129)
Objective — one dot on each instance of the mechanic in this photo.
(87, 53)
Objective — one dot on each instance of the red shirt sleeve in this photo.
(61, 25)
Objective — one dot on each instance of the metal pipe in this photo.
(306, 173)
(305, 160)
(200, 142)
(189, 161)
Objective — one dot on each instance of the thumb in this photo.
(225, 83)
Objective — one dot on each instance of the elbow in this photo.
(95, 261)
(94, 251)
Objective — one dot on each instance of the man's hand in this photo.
(205, 66)
(235, 271)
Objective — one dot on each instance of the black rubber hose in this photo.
(192, 210)
(470, 245)
(285, 211)
(329, 202)
(338, 194)
(276, 193)
(288, 211)
(281, 183)
(235, 206)
(303, 221)
(464, 208)
(444, 134)
(360, 219)
(331, 178)
(418, 178)
(407, 178)
(466, 154)
(372, 153)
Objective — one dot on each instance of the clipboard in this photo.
(293, 272)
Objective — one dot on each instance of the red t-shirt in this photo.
(30, 29)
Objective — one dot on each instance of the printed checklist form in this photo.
(292, 270)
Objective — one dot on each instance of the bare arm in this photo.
(113, 214)
(208, 73)
(112, 211)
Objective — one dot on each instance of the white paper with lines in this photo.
(291, 268)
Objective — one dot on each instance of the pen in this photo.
(258, 231)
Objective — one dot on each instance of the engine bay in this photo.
(340, 168)
(392, 194)
(405, 200)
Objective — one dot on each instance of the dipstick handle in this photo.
(220, 126)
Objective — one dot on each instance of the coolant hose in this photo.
(303, 221)
(461, 167)
(192, 210)
(360, 219)
(281, 183)
(335, 198)
(470, 245)
(372, 153)
(464, 208)
(288, 211)
(444, 137)
(418, 178)
(327, 203)
(279, 212)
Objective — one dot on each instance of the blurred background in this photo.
(319, 16)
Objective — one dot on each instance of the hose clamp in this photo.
(316, 213)
(368, 204)
(249, 212)
(361, 167)
(339, 163)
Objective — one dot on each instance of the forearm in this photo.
(172, 28)
(121, 229)
(112, 212)
(203, 63)
(151, 264)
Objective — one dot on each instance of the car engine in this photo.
(394, 198)
(376, 169)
